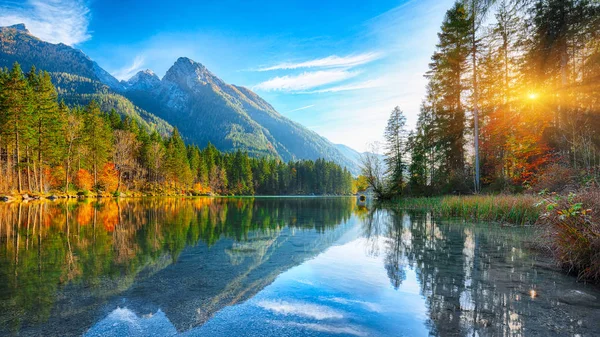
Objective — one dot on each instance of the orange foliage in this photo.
(109, 215)
(85, 212)
(199, 188)
(109, 177)
(84, 179)
(55, 177)
(512, 145)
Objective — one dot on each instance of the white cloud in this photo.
(332, 61)
(307, 310)
(305, 81)
(127, 72)
(54, 21)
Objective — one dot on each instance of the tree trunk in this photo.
(18, 153)
(119, 183)
(475, 97)
(68, 168)
(95, 174)
(28, 159)
(41, 183)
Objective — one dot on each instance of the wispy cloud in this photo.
(332, 61)
(325, 328)
(347, 87)
(55, 21)
(298, 109)
(368, 305)
(127, 72)
(302, 309)
(305, 81)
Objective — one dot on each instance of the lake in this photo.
(275, 267)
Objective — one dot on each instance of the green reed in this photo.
(504, 208)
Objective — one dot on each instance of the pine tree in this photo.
(97, 138)
(177, 167)
(446, 75)
(48, 121)
(16, 117)
(395, 136)
(72, 131)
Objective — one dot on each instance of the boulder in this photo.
(578, 297)
(6, 198)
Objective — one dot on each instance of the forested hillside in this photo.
(78, 79)
(47, 146)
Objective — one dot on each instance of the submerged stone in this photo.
(578, 297)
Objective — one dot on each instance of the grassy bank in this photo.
(569, 225)
(511, 209)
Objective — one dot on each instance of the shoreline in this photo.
(11, 198)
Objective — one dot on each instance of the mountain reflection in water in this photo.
(271, 267)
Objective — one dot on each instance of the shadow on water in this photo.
(177, 264)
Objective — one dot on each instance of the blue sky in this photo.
(337, 67)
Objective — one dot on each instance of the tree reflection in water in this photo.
(63, 263)
(86, 251)
(477, 280)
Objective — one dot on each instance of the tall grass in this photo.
(512, 209)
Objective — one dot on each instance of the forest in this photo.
(47, 146)
(512, 104)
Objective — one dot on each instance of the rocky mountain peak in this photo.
(19, 27)
(186, 70)
(143, 80)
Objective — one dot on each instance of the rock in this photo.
(578, 297)
(52, 197)
(26, 196)
(6, 198)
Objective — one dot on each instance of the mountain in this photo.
(77, 78)
(356, 156)
(18, 45)
(201, 105)
(143, 80)
(231, 117)
(350, 153)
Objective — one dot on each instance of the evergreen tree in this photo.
(72, 135)
(48, 123)
(15, 120)
(97, 138)
(395, 136)
(177, 167)
(447, 72)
